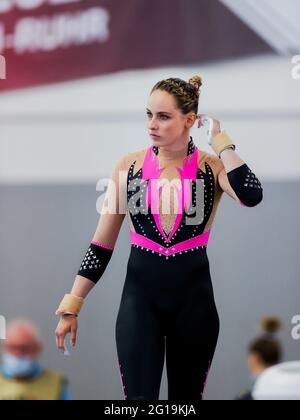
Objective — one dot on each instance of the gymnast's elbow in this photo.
(253, 199)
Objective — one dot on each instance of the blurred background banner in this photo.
(48, 41)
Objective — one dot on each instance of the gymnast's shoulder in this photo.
(124, 162)
(212, 160)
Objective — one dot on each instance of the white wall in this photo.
(74, 132)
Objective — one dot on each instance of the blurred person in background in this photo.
(21, 375)
(280, 382)
(263, 353)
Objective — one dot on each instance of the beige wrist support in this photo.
(70, 304)
(220, 142)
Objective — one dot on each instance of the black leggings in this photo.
(166, 305)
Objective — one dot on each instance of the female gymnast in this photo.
(167, 303)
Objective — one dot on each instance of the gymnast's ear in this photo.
(190, 119)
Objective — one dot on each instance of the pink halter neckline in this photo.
(151, 172)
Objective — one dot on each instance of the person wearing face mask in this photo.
(263, 353)
(21, 375)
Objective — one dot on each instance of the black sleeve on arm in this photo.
(95, 262)
(246, 185)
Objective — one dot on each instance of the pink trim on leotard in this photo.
(150, 169)
(152, 172)
(122, 382)
(200, 240)
(206, 380)
(102, 245)
(189, 171)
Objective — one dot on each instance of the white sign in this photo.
(2, 68)
(2, 328)
(33, 34)
(8, 5)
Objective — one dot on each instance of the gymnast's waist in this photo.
(195, 242)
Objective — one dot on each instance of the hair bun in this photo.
(270, 324)
(196, 81)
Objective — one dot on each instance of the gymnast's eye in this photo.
(164, 117)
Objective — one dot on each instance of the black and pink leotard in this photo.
(167, 305)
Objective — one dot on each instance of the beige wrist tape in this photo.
(71, 304)
(220, 142)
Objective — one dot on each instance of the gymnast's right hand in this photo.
(67, 324)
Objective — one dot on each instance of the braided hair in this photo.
(267, 346)
(186, 93)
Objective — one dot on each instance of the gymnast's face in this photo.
(166, 120)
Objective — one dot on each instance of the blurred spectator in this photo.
(281, 382)
(21, 375)
(263, 353)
